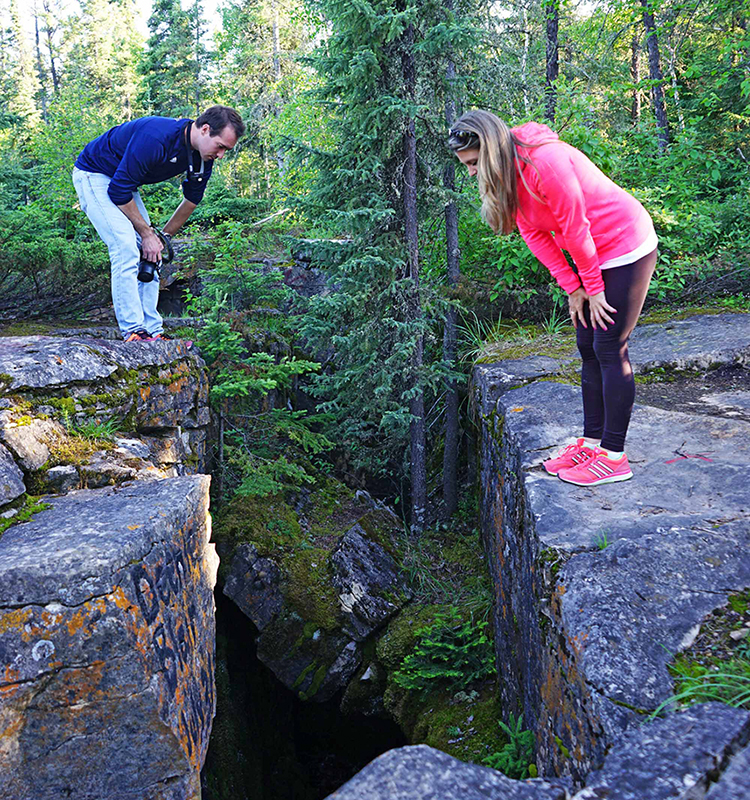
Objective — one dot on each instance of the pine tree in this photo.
(170, 68)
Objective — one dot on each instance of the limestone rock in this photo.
(703, 341)
(675, 757)
(253, 584)
(63, 478)
(107, 645)
(598, 587)
(29, 440)
(734, 783)
(423, 773)
(11, 478)
(364, 573)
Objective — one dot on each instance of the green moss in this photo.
(400, 636)
(66, 405)
(269, 523)
(309, 587)
(529, 343)
(317, 682)
(27, 506)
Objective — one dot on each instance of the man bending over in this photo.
(107, 175)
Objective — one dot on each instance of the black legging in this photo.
(606, 376)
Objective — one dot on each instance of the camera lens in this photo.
(146, 271)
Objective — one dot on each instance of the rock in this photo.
(63, 478)
(364, 574)
(11, 478)
(253, 583)
(734, 783)
(423, 773)
(699, 342)
(29, 440)
(597, 588)
(107, 645)
(132, 448)
(104, 469)
(676, 757)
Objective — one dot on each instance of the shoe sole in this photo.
(611, 479)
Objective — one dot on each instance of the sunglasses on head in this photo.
(460, 140)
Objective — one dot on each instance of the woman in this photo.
(560, 200)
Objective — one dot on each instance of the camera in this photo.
(147, 270)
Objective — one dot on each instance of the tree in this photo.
(657, 79)
(552, 19)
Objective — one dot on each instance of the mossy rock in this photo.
(267, 522)
(308, 587)
(400, 636)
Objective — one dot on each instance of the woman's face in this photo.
(470, 158)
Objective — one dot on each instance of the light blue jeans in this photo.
(134, 301)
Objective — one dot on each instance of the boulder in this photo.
(29, 438)
(107, 645)
(63, 478)
(365, 577)
(423, 773)
(253, 584)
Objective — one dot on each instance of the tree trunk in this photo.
(635, 74)
(655, 74)
(39, 67)
(48, 31)
(552, 17)
(417, 428)
(525, 61)
(450, 450)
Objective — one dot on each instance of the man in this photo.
(107, 175)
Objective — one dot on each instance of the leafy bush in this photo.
(450, 652)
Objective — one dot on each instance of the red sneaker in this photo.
(569, 456)
(138, 336)
(599, 468)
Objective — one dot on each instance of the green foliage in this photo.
(697, 683)
(267, 448)
(95, 431)
(26, 507)
(515, 758)
(450, 652)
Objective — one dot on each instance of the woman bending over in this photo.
(561, 201)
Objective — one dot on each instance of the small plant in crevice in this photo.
(450, 652)
(696, 683)
(515, 758)
(601, 540)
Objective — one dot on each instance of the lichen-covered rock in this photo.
(29, 439)
(597, 588)
(423, 773)
(366, 577)
(63, 478)
(107, 645)
(11, 478)
(673, 758)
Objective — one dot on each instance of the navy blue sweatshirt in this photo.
(145, 150)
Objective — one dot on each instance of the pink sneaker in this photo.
(569, 456)
(598, 468)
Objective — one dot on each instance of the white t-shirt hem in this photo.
(650, 244)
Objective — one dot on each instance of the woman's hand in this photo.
(575, 306)
(598, 308)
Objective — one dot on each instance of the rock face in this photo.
(107, 645)
(597, 588)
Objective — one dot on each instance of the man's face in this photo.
(213, 147)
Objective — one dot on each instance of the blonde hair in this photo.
(496, 165)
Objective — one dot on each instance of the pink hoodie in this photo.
(590, 216)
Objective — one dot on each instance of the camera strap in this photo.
(192, 175)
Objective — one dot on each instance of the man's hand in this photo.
(151, 247)
(598, 308)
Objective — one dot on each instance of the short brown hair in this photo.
(218, 117)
